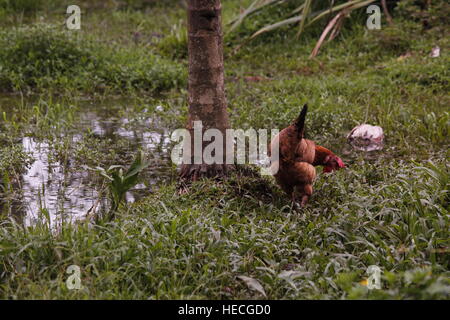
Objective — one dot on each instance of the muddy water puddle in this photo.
(67, 189)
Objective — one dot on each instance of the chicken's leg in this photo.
(306, 192)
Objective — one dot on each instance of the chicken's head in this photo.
(333, 163)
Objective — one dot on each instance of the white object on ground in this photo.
(366, 137)
(435, 52)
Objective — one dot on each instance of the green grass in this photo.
(388, 208)
(43, 57)
(194, 246)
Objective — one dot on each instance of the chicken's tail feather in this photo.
(300, 121)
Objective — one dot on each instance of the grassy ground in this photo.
(389, 208)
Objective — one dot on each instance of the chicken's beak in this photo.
(341, 163)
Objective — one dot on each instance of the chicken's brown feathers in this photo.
(300, 121)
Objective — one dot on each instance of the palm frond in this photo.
(306, 18)
(254, 7)
(305, 14)
(355, 4)
(276, 26)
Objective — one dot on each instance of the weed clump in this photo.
(13, 162)
(43, 56)
(175, 45)
(25, 6)
(431, 15)
(14, 158)
(392, 40)
(34, 55)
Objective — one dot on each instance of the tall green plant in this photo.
(121, 180)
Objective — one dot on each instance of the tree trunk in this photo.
(207, 101)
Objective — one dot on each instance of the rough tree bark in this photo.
(207, 101)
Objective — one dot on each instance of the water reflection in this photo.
(64, 192)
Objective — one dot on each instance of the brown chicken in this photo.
(294, 170)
